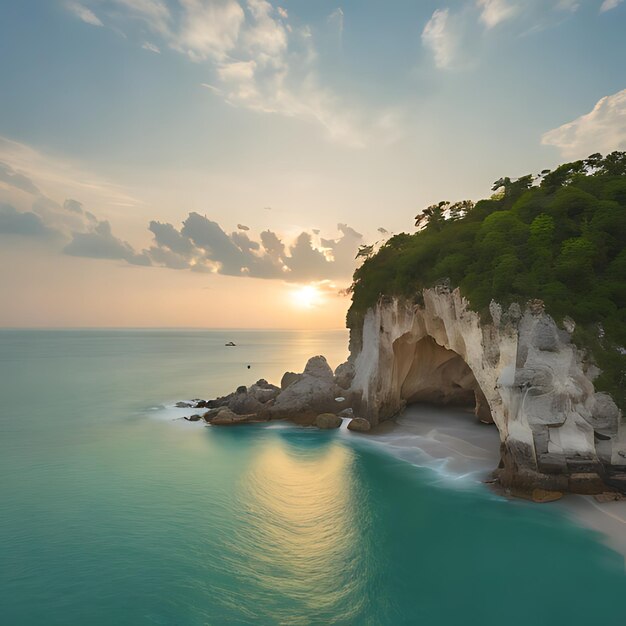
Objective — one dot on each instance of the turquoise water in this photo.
(112, 513)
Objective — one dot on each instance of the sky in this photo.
(218, 163)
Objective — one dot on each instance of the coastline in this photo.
(465, 451)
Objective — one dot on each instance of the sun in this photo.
(306, 297)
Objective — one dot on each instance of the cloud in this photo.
(150, 47)
(203, 245)
(601, 130)
(568, 5)
(439, 38)
(493, 12)
(256, 59)
(208, 29)
(57, 177)
(9, 176)
(166, 235)
(26, 224)
(84, 14)
(155, 13)
(336, 19)
(100, 243)
(608, 5)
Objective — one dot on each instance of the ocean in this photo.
(116, 511)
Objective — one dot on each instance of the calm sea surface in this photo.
(113, 512)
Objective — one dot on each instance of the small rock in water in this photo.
(193, 418)
(183, 405)
(327, 420)
(359, 424)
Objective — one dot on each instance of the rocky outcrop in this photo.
(302, 398)
(519, 370)
(314, 392)
(256, 399)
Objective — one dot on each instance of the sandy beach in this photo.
(460, 448)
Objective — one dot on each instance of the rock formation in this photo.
(518, 369)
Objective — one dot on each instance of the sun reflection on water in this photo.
(298, 541)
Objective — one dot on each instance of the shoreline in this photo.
(451, 441)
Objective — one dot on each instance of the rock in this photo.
(225, 417)
(542, 495)
(534, 383)
(244, 403)
(328, 420)
(608, 496)
(289, 378)
(193, 418)
(359, 425)
(263, 392)
(241, 389)
(313, 392)
(200, 404)
(346, 413)
(545, 335)
(537, 495)
(183, 405)
(344, 374)
(587, 483)
(318, 367)
(605, 413)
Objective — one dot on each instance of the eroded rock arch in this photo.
(428, 372)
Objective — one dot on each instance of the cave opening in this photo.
(428, 373)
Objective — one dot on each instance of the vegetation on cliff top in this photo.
(559, 237)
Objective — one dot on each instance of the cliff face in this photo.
(519, 370)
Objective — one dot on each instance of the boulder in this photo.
(318, 367)
(244, 403)
(183, 405)
(193, 418)
(359, 425)
(263, 392)
(344, 374)
(289, 378)
(327, 421)
(314, 392)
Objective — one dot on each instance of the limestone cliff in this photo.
(519, 370)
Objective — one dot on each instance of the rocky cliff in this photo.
(520, 371)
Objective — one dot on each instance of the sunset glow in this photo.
(306, 297)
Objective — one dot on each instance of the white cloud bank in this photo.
(602, 130)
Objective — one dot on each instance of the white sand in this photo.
(452, 441)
